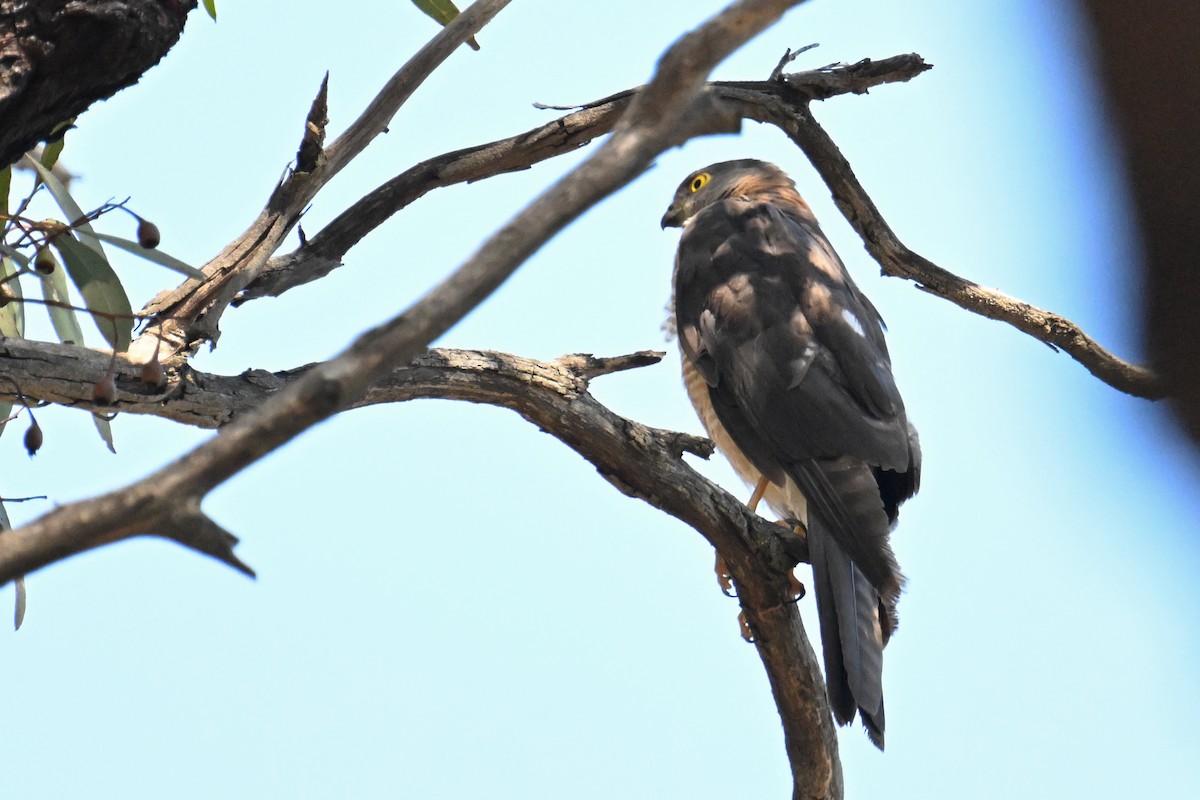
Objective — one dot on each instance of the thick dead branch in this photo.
(64, 374)
(856, 78)
(640, 461)
(551, 395)
(57, 57)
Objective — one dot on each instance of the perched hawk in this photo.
(785, 362)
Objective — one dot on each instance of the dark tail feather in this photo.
(852, 636)
(845, 497)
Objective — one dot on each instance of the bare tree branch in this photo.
(551, 395)
(640, 461)
(191, 312)
(324, 251)
(898, 260)
(783, 103)
(64, 374)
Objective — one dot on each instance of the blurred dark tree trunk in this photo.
(1148, 61)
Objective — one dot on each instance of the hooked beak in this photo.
(674, 216)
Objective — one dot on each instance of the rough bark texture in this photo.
(57, 57)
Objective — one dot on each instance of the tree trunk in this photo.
(57, 57)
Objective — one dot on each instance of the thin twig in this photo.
(379, 112)
(788, 57)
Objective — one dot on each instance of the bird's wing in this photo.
(797, 367)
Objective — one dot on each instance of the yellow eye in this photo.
(699, 181)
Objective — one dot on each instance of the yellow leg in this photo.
(759, 490)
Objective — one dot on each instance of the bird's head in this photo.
(746, 177)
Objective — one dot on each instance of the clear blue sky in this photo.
(451, 604)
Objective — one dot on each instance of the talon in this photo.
(723, 577)
(796, 588)
(798, 527)
(747, 634)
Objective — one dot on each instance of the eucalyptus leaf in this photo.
(74, 213)
(5, 185)
(157, 256)
(105, 429)
(12, 316)
(12, 323)
(65, 321)
(101, 289)
(211, 7)
(51, 152)
(444, 12)
(15, 255)
(19, 608)
(19, 583)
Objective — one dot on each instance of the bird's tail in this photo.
(854, 628)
